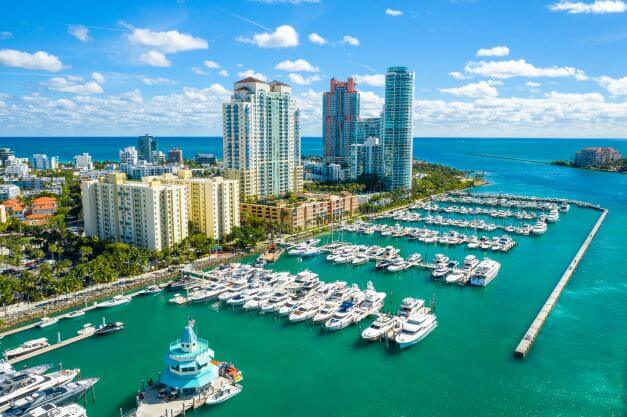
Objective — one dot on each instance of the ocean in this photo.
(464, 368)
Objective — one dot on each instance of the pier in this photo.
(525, 344)
(52, 347)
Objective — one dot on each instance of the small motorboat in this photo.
(224, 393)
(108, 328)
(74, 314)
(115, 301)
(87, 328)
(47, 321)
(151, 290)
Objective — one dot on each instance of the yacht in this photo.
(455, 277)
(441, 271)
(51, 410)
(397, 265)
(553, 216)
(342, 318)
(232, 291)
(58, 395)
(290, 305)
(241, 298)
(441, 259)
(87, 328)
(414, 258)
(118, 300)
(178, 299)
(305, 311)
(199, 296)
(275, 302)
(108, 328)
(470, 263)
(151, 290)
(539, 228)
(225, 392)
(37, 383)
(383, 264)
(410, 306)
(74, 314)
(27, 347)
(47, 321)
(360, 260)
(256, 302)
(380, 327)
(326, 311)
(415, 328)
(485, 272)
(564, 208)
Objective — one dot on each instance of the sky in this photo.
(484, 68)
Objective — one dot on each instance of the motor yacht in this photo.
(342, 318)
(410, 306)
(397, 265)
(74, 314)
(326, 311)
(225, 392)
(47, 321)
(440, 272)
(380, 327)
(58, 395)
(178, 299)
(86, 328)
(275, 302)
(470, 262)
(360, 260)
(441, 259)
(414, 258)
(151, 290)
(241, 298)
(108, 328)
(415, 329)
(27, 347)
(232, 291)
(305, 311)
(485, 272)
(34, 383)
(564, 208)
(290, 305)
(117, 300)
(51, 410)
(539, 228)
(455, 277)
(553, 216)
(383, 264)
(256, 302)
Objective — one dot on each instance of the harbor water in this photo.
(464, 368)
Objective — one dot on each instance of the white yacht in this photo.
(305, 311)
(410, 306)
(326, 311)
(241, 298)
(151, 290)
(178, 299)
(485, 272)
(27, 347)
(470, 263)
(539, 228)
(38, 383)
(74, 314)
(564, 208)
(342, 318)
(397, 265)
(51, 410)
(275, 302)
(378, 328)
(225, 392)
(360, 260)
(441, 259)
(47, 321)
(256, 302)
(455, 277)
(117, 300)
(441, 271)
(553, 216)
(415, 328)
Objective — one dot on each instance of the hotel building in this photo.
(596, 156)
(150, 214)
(261, 139)
(340, 114)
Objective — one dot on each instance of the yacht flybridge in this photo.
(485, 272)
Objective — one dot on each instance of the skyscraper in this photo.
(340, 112)
(146, 146)
(261, 139)
(397, 128)
(175, 156)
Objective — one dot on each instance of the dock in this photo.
(525, 344)
(52, 347)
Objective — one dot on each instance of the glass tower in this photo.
(340, 108)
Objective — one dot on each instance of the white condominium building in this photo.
(261, 139)
(149, 214)
(212, 203)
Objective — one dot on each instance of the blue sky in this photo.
(540, 68)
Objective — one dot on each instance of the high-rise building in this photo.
(146, 146)
(83, 161)
(596, 156)
(5, 153)
(212, 203)
(366, 158)
(175, 156)
(149, 214)
(397, 128)
(128, 155)
(8, 191)
(205, 159)
(261, 139)
(368, 127)
(16, 167)
(43, 161)
(340, 112)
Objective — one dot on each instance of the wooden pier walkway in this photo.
(525, 344)
(52, 347)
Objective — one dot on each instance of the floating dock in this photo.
(525, 344)
(52, 347)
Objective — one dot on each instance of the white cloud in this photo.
(74, 85)
(317, 39)
(284, 36)
(473, 90)
(300, 80)
(4, 35)
(494, 51)
(169, 42)
(532, 84)
(350, 40)
(392, 12)
(458, 75)
(374, 80)
(155, 59)
(80, 32)
(223, 73)
(158, 81)
(519, 68)
(596, 7)
(252, 73)
(38, 61)
(370, 104)
(614, 86)
(298, 65)
(212, 64)
(98, 77)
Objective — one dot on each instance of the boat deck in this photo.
(154, 406)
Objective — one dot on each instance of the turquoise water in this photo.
(465, 367)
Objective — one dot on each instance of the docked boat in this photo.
(485, 272)
(74, 314)
(256, 301)
(51, 410)
(87, 328)
(441, 271)
(117, 300)
(382, 264)
(304, 312)
(380, 327)
(564, 208)
(47, 321)
(178, 299)
(27, 347)
(326, 311)
(397, 265)
(34, 382)
(553, 216)
(455, 277)
(360, 260)
(415, 329)
(410, 306)
(275, 302)
(470, 263)
(224, 393)
(108, 328)
(151, 290)
(539, 228)
(342, 318)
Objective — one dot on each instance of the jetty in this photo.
(50, 348)
(525, 344)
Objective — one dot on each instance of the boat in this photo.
(51, 410)
(360, 260)
(564, 208)
(441, 259)
(410, 306)
(326, 311)
(241, 298)
(47, 321)
(553, 216)
(383, 264)
(485, 272)
(117, 300)
(257, 301)
(199, 296)
(342, 318)
(441, 271)
(87, 328)
(27, 347)
(380, 327)
(34, 382)
(455, 277)
(275, 302)
(74, 314)
(470, 262)
(224, 393)
(178, 299)
(397, 265)
(108, 328)
(259, 262)
(539, 228)
(151, 290)
(304, 312)
(415, 329)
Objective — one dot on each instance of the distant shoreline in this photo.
(552, 163)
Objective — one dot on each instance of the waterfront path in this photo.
(525, 344)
